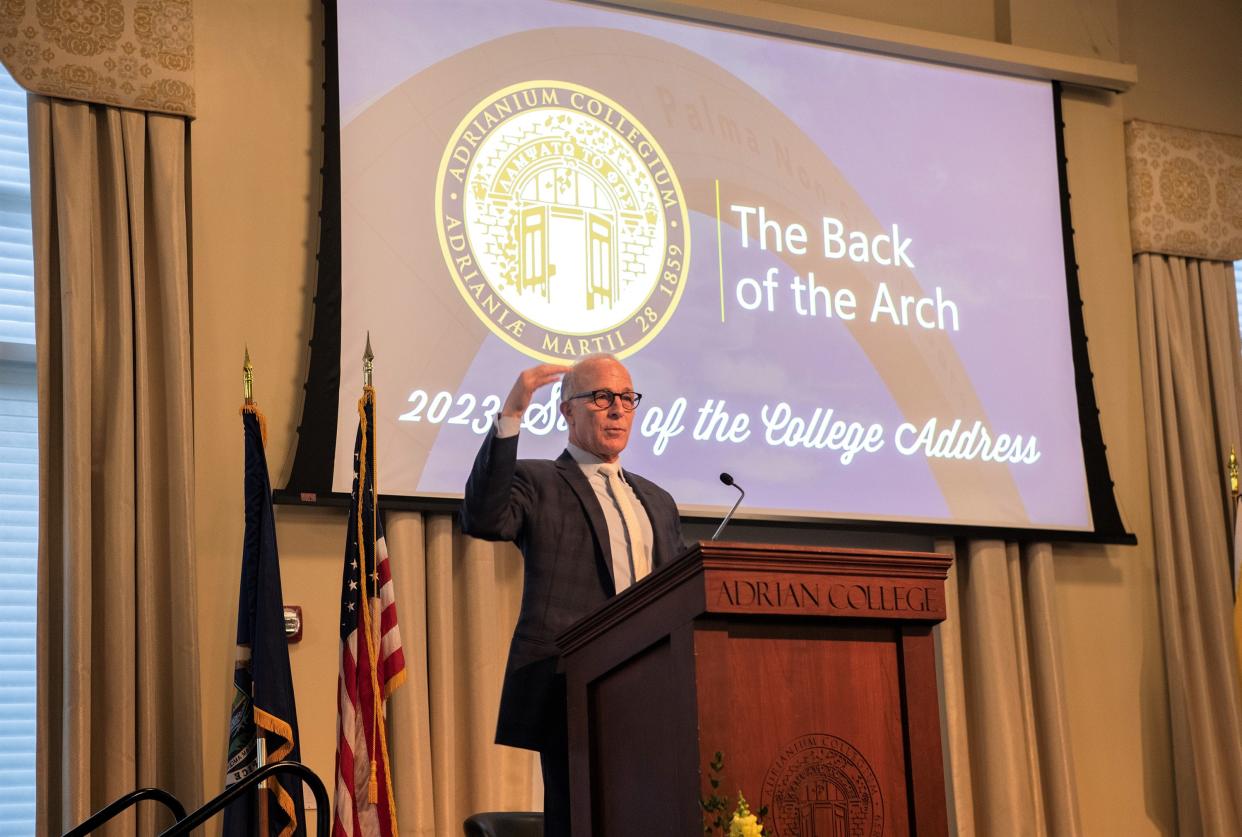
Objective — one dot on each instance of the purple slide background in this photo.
(962, 160)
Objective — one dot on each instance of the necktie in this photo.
(633, 529)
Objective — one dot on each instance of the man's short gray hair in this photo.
(569, 383)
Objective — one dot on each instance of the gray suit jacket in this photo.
(548, 508)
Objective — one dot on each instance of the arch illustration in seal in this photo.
(821, 786)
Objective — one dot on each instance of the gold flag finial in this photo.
(1233, 472)
(368, 363)
(248, 378)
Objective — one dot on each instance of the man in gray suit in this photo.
(587, 530)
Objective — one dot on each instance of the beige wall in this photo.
(255, 152)
(255, 155)
(1189, 62)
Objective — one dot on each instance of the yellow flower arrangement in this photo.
(743, 823)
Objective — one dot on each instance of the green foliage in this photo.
(716, 814)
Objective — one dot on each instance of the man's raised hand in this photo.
(527, 384)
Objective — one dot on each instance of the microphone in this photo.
(728, 480)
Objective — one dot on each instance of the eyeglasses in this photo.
(603, 398)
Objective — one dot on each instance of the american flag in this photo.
(364, 803)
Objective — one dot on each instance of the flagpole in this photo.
(260, 744)
(260, 741)
(362, 649)
(1237, 547)
(1237, 556)
(248, 406)
(248, 379)
(367, 626)
(368, 363)
(1233, 496)
(368, 369)
(377, 728)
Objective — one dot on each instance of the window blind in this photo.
(19, 515)
(1237, 283)
(16, 252)
(18, 471)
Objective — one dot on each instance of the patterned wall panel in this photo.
(130, 53)
(1185, 191)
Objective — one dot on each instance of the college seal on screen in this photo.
(561, 221)
(820, 786)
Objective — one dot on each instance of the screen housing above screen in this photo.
(311, 477)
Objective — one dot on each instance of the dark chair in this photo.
(505, 824)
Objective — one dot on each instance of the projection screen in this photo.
(839, 276)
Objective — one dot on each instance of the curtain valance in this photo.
(1185, 191)
(135, 54)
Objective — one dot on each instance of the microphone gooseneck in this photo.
(727, 479)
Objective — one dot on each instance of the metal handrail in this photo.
(215, 806)
(115, 807)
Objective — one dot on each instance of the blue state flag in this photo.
(263, 724)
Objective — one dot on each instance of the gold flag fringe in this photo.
(253, 409)
(379, 734)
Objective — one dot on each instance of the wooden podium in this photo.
(812, 669)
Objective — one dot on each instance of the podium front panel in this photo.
(641, 759)
(810, 721)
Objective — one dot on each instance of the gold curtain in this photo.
(1009, 765)
(117, 644)
(1191, 367)
(458, 602)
